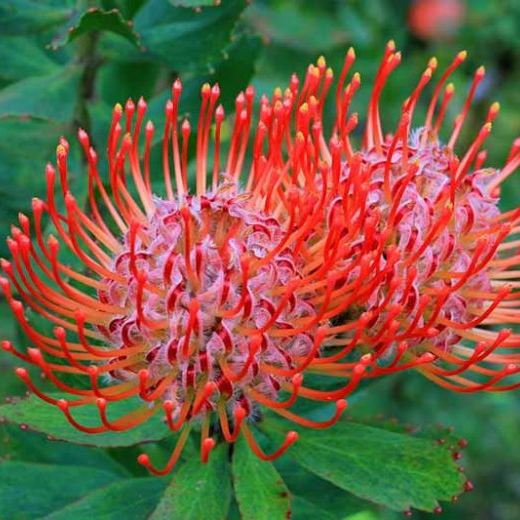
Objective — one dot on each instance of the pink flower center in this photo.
(201, 305)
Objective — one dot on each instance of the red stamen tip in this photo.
(177, 88)
(341, 405)
(62, 404)
(291, 438)
(359, 369)
(461, 56)
(240, 413)
(143, 459)
(168, 110)
(219, 113)
(21, 373)
(83, 138)
(207, 445)
(6, 345)
(205, 90)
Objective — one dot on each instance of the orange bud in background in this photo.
(436, 20)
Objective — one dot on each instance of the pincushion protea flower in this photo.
(211, 304)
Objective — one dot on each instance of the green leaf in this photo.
(25, 146)
(33, 490)
(40, 416)
(260, 490)
(303, 510)
(117, 81)
(198, 491)
(128, 8)
(298, 28)
(178, 37)
(49, 97)
(95, 19)
(29, 16)
(391, 469)
(26, 446)
(232, 74)
(28, 60)
(362, 515)
(309, 490)
(194, 3)
(237, 68)
(129, 499)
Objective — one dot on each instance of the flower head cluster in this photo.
(210, 297)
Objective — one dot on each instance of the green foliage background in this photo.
(64, 64)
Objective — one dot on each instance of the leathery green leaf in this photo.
(95, 19)
(29, 490)
(260, 490)
(396, 470)
(53, 96)
(40, 416)
(131, 499)
(198, 491)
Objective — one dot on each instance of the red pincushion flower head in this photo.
(206, 304)
(211, 304)
(454, 278)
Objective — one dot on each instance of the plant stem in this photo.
(91, 62)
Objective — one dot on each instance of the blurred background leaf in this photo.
(95, 19)
(198, 491)
(35, 414)
(31, 490)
